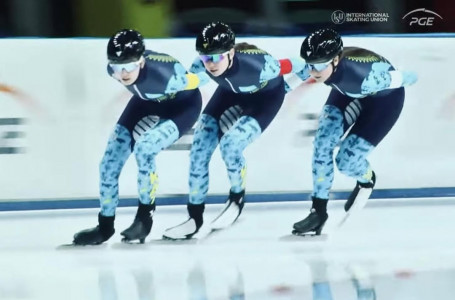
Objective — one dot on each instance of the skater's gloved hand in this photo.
(298, 64)
(203, 78)
(409, 78)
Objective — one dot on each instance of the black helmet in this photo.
(125, 46)
(215, 38)
(321, 46)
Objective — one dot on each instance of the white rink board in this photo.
(80, 104)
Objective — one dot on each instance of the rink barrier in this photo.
(438, 192)
(51, 157)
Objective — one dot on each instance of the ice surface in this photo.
(393, 249)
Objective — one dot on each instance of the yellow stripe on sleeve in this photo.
(193, 81)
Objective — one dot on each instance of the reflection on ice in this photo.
(108, 274)
(143, 282)
(368, 259)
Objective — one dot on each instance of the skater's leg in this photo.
(117, 152)
(258, 112)
(232, 145)
(204, 143)
(378, 117)
(205, 140)
(328, 135)
(352, 161)
(330, 131)
(146, 148)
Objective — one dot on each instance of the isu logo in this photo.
(338, 17)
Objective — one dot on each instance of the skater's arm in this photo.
(381, 77)
(182, 80)
(274, 68)
(402, 78)
(196, 80)
(197, 66)
(291, 65)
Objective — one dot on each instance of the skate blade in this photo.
(135, 241)
(358, 205)
(345, 218)
(226, 219)
(81, 247)
(167, 238)
(199, 237)
(128, 243)
(305, 237)
(171, 241)
(361, 199)
(214, 229)
(154, 243)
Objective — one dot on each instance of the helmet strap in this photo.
(333, 62)
(229, 60)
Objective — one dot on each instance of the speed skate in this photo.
(358, 198)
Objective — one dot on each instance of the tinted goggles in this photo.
(215, 58)
(320, 66)
(128, 67)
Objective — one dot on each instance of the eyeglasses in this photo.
(128, 67)
(215, 58)
(320, 66)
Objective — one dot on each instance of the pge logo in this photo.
(338, 17)
(419, 19)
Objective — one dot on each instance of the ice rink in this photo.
(393, 249)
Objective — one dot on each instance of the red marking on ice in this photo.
(404, 274)
(281, 289)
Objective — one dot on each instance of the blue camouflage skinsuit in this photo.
(164, 106)
(365, 101)
(249, 95)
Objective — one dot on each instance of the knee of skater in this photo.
(109, 170)
(202, 147)
(343, 163)
(201, 153)
(198, 162)
(207, 122)
(324, 143)
(146, 148)
(229, 144)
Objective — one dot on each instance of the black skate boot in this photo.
(98, 234)
(313, 224)
(141, 226)
(231, 212)
(360, 194)
(190, 227)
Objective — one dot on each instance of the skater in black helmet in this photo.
(250, 93)
(166, 103)
(365, 102)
